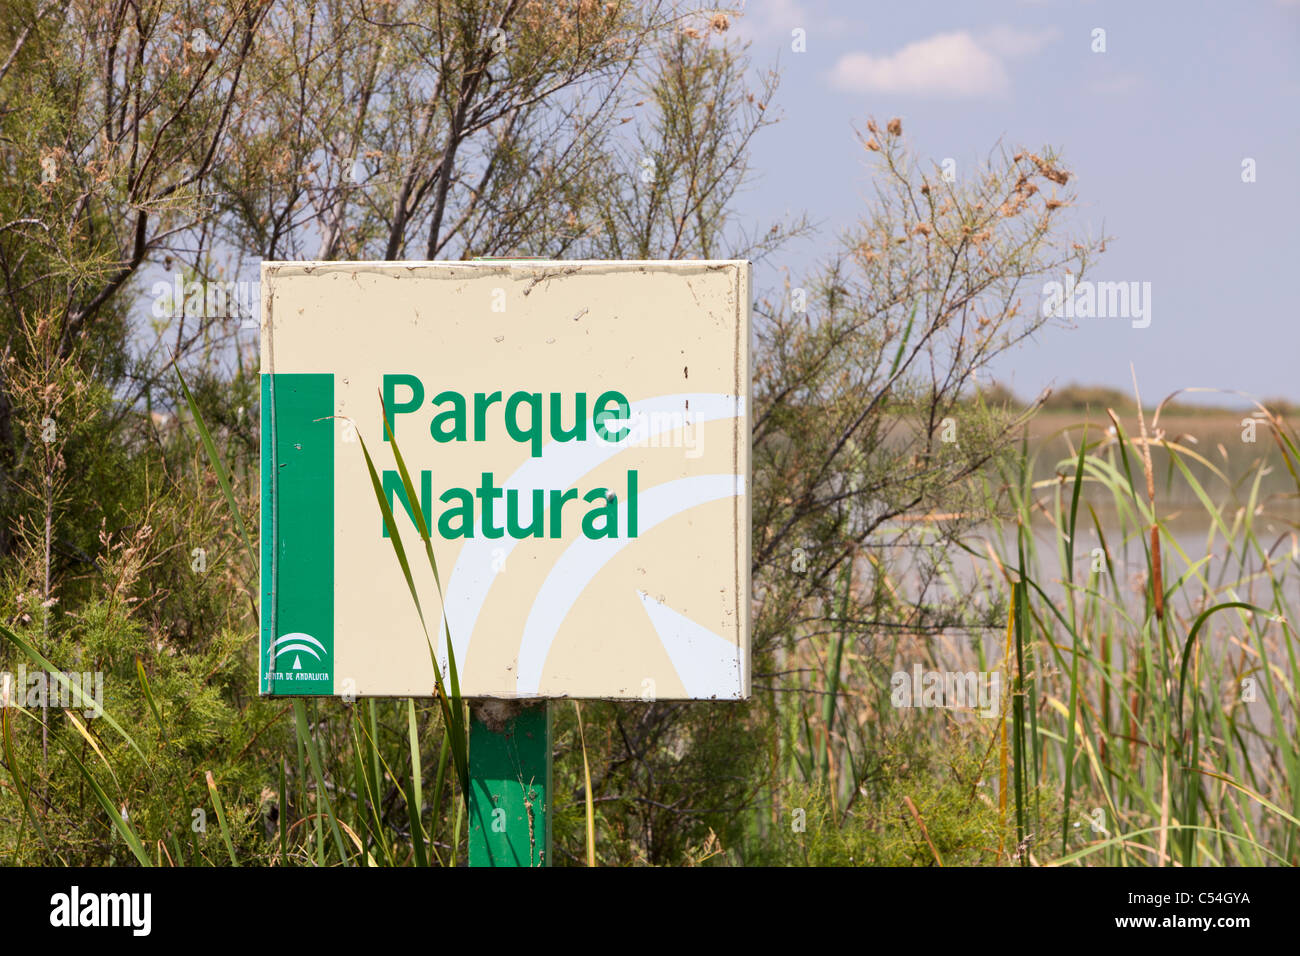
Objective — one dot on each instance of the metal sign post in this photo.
(510, 783)
(509, 751)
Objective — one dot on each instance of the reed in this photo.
(1152, 682)
(1148, 714)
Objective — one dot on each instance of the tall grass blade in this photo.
(284, 817)
(1074, 655)
(589, 799)
(114, 815)
(452, 707)
(148, 696)
(223, 476)
(322, 793)
(23, 787)
(221, 817)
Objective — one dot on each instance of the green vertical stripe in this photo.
(297, 534)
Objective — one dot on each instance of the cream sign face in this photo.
(577, 434)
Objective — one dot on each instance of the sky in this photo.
(1155, 131)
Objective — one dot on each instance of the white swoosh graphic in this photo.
(560, 465)
(705, 661)
(583, 559)
(293, 642)
(297, 647)
(298, 636)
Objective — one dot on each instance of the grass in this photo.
(372, 768)
(1148, 682)
(1149, 718)
(1152, 716)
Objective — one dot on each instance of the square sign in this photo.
(578, 436)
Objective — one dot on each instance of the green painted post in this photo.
(509, 783)
(509, 769)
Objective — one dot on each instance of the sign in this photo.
(578, 436)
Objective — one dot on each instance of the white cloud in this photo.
(949, 64)
(954, 64)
